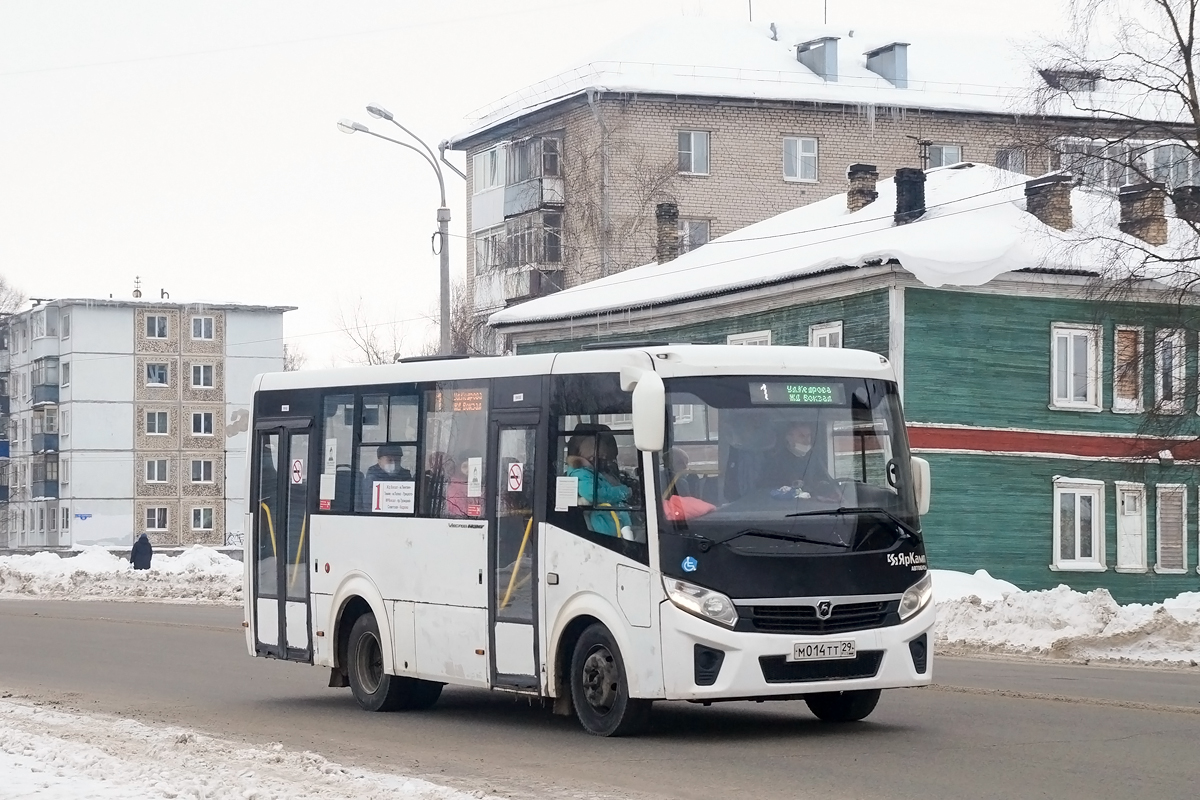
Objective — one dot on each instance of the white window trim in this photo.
(816, 154)
(212, 432)
(211, 518)
(708, 149)
(212, 327)
(1120, 406)
(752, 338)
(157, 433)
(166, 327)
(1099, 514)
(961, 155)
(155, 363)
(212, 375)
(166, 520)
(64, 326)
(146, 472)
(1180, 370)
(211, 470)
(1094, 382)
(1158, 493)
(64, 375)
(824, 329)
(1140, 489)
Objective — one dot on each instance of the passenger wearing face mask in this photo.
(799, 465)
(387, 465)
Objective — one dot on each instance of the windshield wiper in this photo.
(906, 529)
(786, 537)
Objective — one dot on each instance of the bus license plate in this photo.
(822, 651)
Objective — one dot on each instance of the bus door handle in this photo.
(552, 578)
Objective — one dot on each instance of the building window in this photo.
(693, 233)
(943, 155)
(156, 519)
(202, 376)
(551, 238)
(202, 519)
(488, 169)
(156, 422)
(64, 372)
(489, 249)
(551, 157)
(1075, 368)
(66, 326)
(202, 327)
(1131, 527)
(156, 326)
(64, 422)
(1168, 371)
(1078, 525)
(1127, 370)
(826, 334)
(64, 470)
(202, 423)
(1011, 159)
(156, 470)
(755, 338)
(202, 471)
(156, 374)
(66, 518)
(693, 152)
(1171, 528)
(800, 159)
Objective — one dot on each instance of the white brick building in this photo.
(131, 417)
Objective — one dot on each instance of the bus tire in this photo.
(843, 706)
(600, 690)
(373, 688)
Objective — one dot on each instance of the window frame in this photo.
(211, 328)
(212, 375)
(211, 471)
(684, 225)
(198, 513)
(1122, 405)
(1078, 487)
(941, 146)
(166, 519)
(167, 426)
(1178, 371)
(1160, 490)
(64, 374)
(826, 329)
(799, 158)
(692, 133)
(155, 462)
(495, 166)
(1006, 154)
(1120, 489)
(166, 327)
(166, 372)
(212, 423)
(751, 338)
(1095, 389)
(65, 326)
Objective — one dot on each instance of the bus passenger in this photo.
(387, 465)
(797, 464)
(598, 489)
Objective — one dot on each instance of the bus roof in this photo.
(669, 360)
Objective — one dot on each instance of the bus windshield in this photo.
(787, 466)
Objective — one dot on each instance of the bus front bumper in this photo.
(739, 664)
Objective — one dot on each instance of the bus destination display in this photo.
(800, 393)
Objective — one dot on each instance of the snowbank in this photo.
(980, 614)
(198, 575)
(56, 755)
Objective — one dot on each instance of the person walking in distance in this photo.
(142, 553)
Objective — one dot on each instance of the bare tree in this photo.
(372, 342)
(294, 358)
(466, 328)
(11, 298)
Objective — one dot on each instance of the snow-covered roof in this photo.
(975, 229)
(718, 58)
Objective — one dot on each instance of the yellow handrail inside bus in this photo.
(270, 528)
(512, 579)
(299, 550)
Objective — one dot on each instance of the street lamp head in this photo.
(350, 126)
(379, 112)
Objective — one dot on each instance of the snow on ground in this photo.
(55, 755)
(197, 575)
(980, 614)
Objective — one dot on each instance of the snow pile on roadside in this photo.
(980, 614)
(57, 755)
(197, 575)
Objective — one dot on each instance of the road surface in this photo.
(988, 729)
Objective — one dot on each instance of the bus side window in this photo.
(453, 475)
(337, 436)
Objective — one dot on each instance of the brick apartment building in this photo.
(733, 123)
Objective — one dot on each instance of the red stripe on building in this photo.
(1071, 444)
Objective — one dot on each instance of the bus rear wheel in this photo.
(600, 690)
(843, 706)
(373, 688)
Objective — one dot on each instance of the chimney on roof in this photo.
(820, 55)
(667, 217)
(862, 178)
(1142, 212)
(1187, 203)
(910, 194)
(890, 62)
(1049, 199)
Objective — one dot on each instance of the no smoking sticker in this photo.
(516, 477)
(297, 470)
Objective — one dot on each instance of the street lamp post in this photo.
(443, 212)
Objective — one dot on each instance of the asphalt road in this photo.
(988, 729)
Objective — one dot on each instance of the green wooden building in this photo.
(1060, 414)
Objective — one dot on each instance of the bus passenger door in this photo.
(513, 552)
(281, 477)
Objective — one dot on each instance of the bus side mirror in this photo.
(920, 471)
(649, 409)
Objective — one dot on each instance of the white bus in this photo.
(603, 529)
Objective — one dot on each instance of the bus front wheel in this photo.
(842, 706)
(600, 690)
(373, 688)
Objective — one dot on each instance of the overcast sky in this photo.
(194, 144)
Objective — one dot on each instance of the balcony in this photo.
(498, 288)
(532, 194)
(4, 404)
(4, 493)
(44, 490)
(45, 395)
(44, 443)
(3, 448)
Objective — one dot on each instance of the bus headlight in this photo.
(704, 603)
(916, 598)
